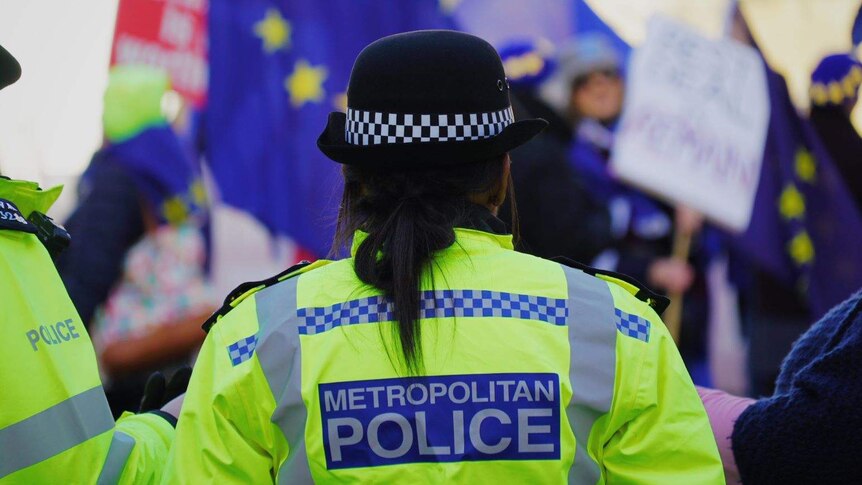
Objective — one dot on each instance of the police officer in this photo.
(55, 424)
(436, 353)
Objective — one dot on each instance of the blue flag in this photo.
(502, 21)
(587, 22)
(856, 33)
(805, 228)
(277, 68)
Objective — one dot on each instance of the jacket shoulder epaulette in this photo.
(242, 291)
(640, 291)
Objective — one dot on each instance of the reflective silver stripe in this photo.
(121, 447)
(280, 357)
(592, 368)
(54, 430)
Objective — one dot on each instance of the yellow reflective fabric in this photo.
(276, 355)
(152, 437)
(223, 402)
(55, 424)
(48, 359)
(667, 434)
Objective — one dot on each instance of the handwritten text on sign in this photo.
(694, 124)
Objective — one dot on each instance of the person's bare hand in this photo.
(671, 274)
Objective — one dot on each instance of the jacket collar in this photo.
(478, 229)
(27, 196)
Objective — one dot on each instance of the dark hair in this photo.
(408, 216)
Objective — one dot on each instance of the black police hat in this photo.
(425, 99)
(10, 70)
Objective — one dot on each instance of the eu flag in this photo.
(277, 68)
(805, 228)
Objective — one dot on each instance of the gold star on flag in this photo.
(806, 167)
(305, 84)
(199, 193)
(175, 210)
(791, 203)
(273, 30)
(801, 248)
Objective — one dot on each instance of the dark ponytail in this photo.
(408, 215)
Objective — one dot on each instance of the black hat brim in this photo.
(10, 70)
(426, 154)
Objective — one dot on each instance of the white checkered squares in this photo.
(375, 128)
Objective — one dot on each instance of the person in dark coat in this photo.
(834, 93)
(808, 430)
(591, 82)
(134, 269)
(560, 217)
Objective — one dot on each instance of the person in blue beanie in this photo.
(834, 93)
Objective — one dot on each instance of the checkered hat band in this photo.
(437, 304)
(374, 128)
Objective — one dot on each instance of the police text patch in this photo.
(478, 417)
(11, 218)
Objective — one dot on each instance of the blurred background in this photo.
(184, 132)
(50, 121)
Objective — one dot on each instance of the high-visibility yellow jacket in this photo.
(55, 423)
(534, 373)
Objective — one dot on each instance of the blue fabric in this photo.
(808, 431)
(589, 162)
(504, 21)
(106, 222)
(163, 172)
(260, 145)
(586, 21)
(856, 35)
(834, 68)
(829, 218)
(520, 49)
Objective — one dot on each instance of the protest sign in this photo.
(170, 34)
(694, 123)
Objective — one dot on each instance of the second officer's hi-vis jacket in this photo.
(55, 423)
(534, 373)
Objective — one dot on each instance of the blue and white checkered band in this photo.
(437, 304)
(632, 325)
(374, 128)
(242, 350)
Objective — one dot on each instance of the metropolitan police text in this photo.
(441, 418)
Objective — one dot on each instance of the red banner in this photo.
(171, 34)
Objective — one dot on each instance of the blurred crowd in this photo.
(138, 269)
